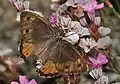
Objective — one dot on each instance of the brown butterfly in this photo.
(56, 56)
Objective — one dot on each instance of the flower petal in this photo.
(19, 5)
(104, 31)
(23, 80)
(102, 59)
(102, 80)
(32, 82)
(14, 83)
(100, 6)
(83, 21)
(53, 19)
(71, 37)
(55, 0)
(97, 21)
(65, 22)
(54, 6)
(26, 5)
(84, 32)
(92, 60)
(96, 73)
(12, 1)
(18, 16)
(104, 42)
(76, 26)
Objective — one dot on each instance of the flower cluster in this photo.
(81, 24)
(80, 19)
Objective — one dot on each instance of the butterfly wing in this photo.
(48, 45)
(68, 60)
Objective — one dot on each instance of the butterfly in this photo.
(55, 56)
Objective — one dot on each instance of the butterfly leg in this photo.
(67, 79)
(76, 79)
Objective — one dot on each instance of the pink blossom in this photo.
(92, 6)
(24, 80)
(53, 19)
(99, 61)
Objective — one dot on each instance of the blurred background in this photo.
(11, 66)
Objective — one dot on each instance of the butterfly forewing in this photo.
(29, 31)
(35, 27)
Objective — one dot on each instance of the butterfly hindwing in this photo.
(26, 49)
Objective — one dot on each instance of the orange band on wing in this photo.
(27, 49)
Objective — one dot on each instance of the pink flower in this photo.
(24, 80)
(99, 61)
(92, 6)
(53, 19)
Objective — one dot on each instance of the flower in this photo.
(53, 19)
(55, 0)
(54, 6)
(92, 6)
(71, 37)
(104, 42)
(75, 26)
(75, 3)
(96, 73)
(20, 5)
(24, 80)
(87, 44)
(83, 21)
(79, 12)
(98, 20)
(65, 22)
(102, 80)
(104, 31)
(98, 62)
